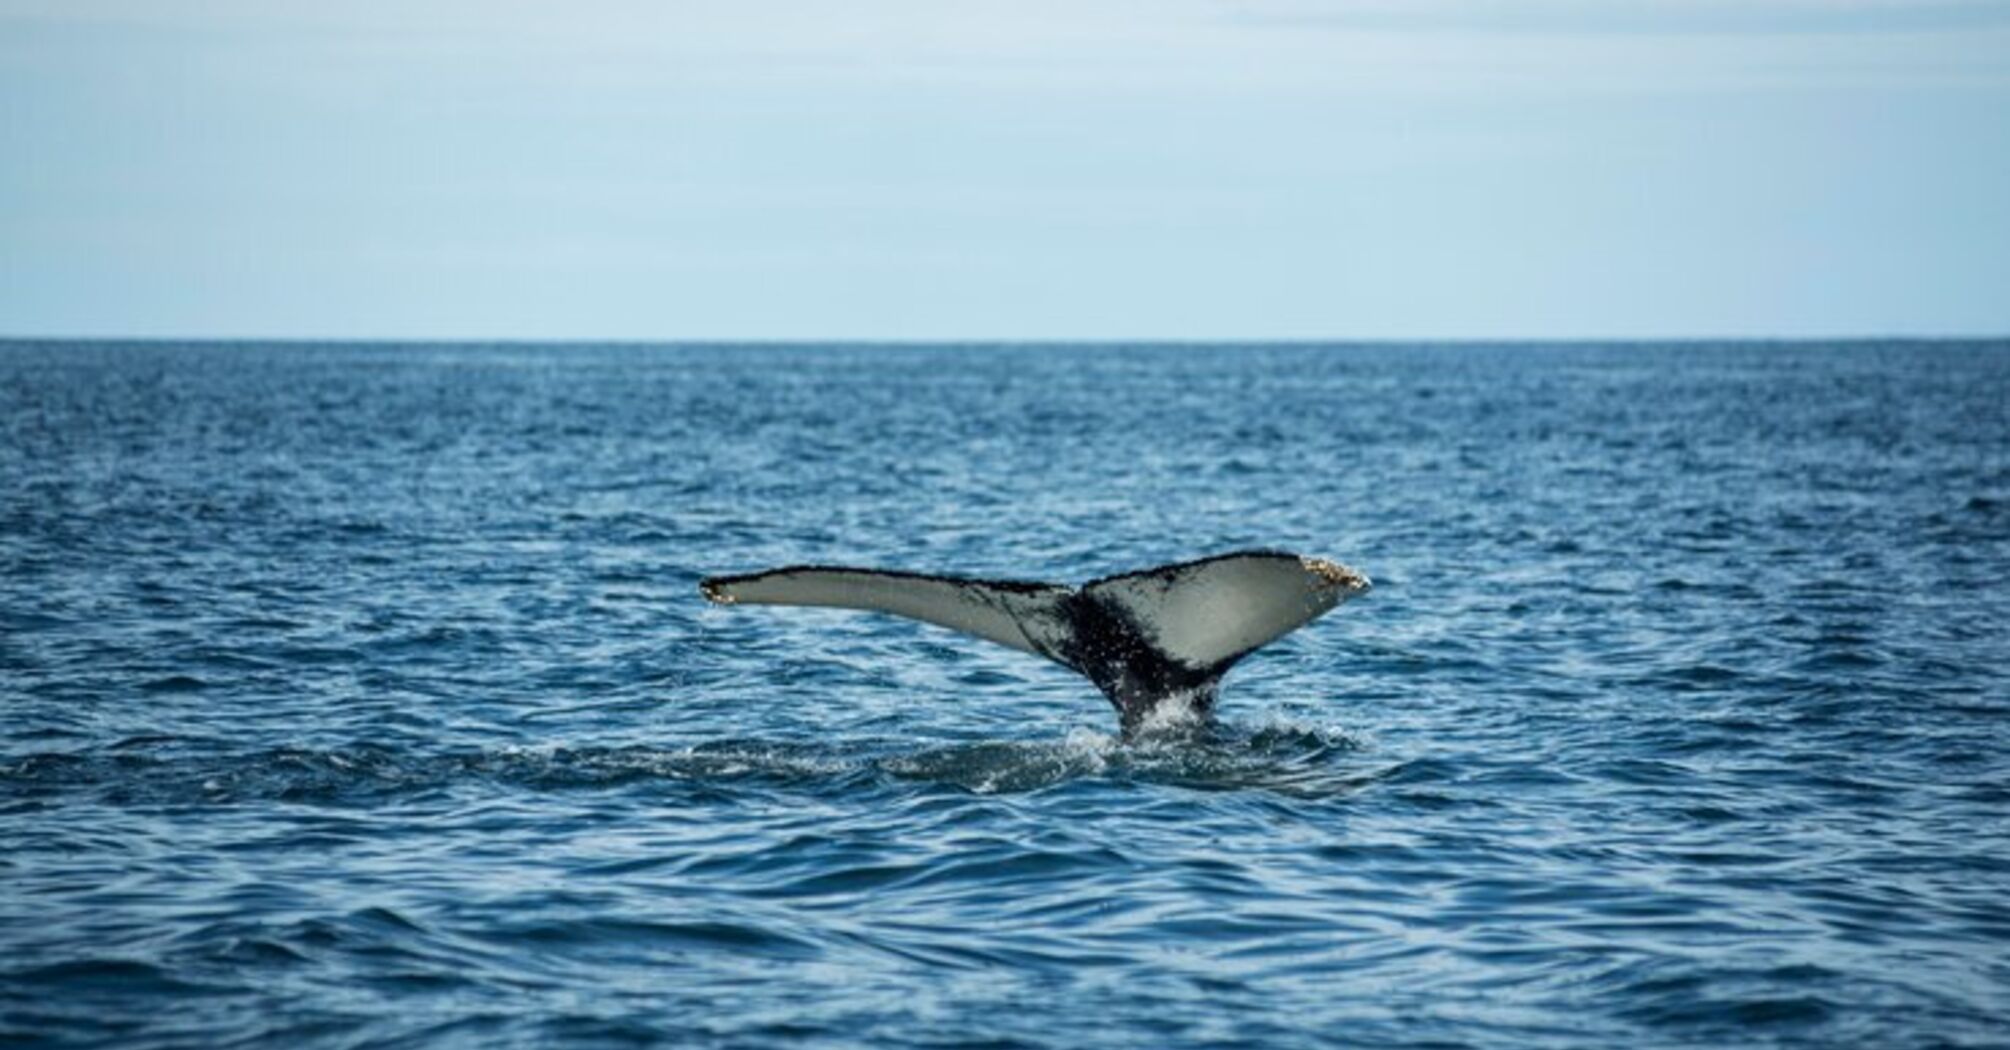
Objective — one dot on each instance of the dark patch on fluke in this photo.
(1112, 650)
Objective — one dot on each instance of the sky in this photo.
(1019, 170)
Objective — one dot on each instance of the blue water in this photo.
(362, 695)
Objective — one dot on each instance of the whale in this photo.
(1147, 639)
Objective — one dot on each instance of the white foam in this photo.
(1092, 743)
(1177, 712)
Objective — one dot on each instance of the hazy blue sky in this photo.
(1014, 170)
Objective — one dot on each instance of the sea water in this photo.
(362, 695)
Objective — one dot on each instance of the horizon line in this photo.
(996, 342)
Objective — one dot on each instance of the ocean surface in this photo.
(363, 696)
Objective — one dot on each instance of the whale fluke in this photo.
(1142, 637)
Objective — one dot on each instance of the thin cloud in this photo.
(1650, 16)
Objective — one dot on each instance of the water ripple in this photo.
(361, 696)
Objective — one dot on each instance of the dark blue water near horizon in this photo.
(361, 695)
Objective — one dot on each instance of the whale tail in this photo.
(1142, 637)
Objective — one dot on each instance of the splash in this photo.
(1179, 714)
(1006, 767)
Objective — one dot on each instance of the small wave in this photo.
(1007, 766)
(1282, 756)
(179, 683)
(561, 767)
